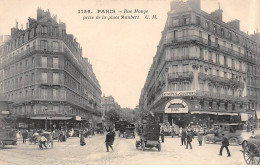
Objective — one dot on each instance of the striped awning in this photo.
(51, 118)
(214, 113)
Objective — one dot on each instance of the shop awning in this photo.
(258, 114)
(204, 112)
(213, 113)
(223, 113)
(51, 118)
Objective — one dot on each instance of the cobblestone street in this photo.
(125, 152)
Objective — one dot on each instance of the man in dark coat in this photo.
(225, 144)
(189, 139)
(109, 140)
(25, 135)
(183, 136)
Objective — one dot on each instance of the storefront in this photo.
(179, 112)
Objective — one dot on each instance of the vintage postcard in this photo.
(129, 82)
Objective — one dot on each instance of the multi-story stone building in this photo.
(204, 70)
(43, 72)
(109, 103)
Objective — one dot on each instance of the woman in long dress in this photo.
(82, 139)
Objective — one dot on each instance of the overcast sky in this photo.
(121, 51)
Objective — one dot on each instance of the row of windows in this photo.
(230, 35)
(218, 106)
(218, 89)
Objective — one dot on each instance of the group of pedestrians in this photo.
(187, 136)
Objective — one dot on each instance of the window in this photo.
(175, 69)
(197, 20)
(175, 22)
(184, 21)
(32, 78)
(217, 58)
(186, 86)
(32, 60)
(225, 74)
(175, 86)
(217, 72)
(209, 39)
(222, 32)
(185, 68)
(44, 93)
(55, 96)
(44, 45)
(44, 77)
(55, 62)
(55, 77)
(215, 28)
(55, 46)
(225, 61)
(207, 24)
(44, 30)
(201, 53)
(44, 61)
(210, 55)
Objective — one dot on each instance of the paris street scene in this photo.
(163, 82)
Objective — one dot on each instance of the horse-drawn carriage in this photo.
(251, 150)
(100, 129)
(149, 137)
(130, 131)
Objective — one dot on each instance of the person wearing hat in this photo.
(183, 136)
(109, 140)
(225, 144)
(189, 139)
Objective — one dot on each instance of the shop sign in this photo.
(176, 106)
(78, 118)
(179, 93)
(5, 112)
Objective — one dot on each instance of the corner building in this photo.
(43, 74)
(204, 70)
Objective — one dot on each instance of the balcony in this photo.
(219, 96)
(180, 75)
(31, 50)
(198, 39)
(50, 83)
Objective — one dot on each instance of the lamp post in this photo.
(45, 110)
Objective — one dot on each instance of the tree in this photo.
(112, 116)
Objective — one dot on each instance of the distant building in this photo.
(43, 73)
(204, 70)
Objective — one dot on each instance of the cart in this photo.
(231, 131)
(251, 150)
(149, 137)
(100, 129)
(130, 131)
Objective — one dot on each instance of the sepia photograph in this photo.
(129, 82)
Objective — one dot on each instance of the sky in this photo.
(121, 51)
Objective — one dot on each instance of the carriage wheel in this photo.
(251, 153)
(159, 147)
(233, 141)
(2, 145)
(207, 140)
(142, 145)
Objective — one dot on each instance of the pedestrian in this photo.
(25, 135)
(162, 133)
(225, 144)
(82, 139)
(189, 139)
(43, 141)
(183, 136)
(109, 140)
(200, 138)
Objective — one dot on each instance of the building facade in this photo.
(43, 72)
(204, 70)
